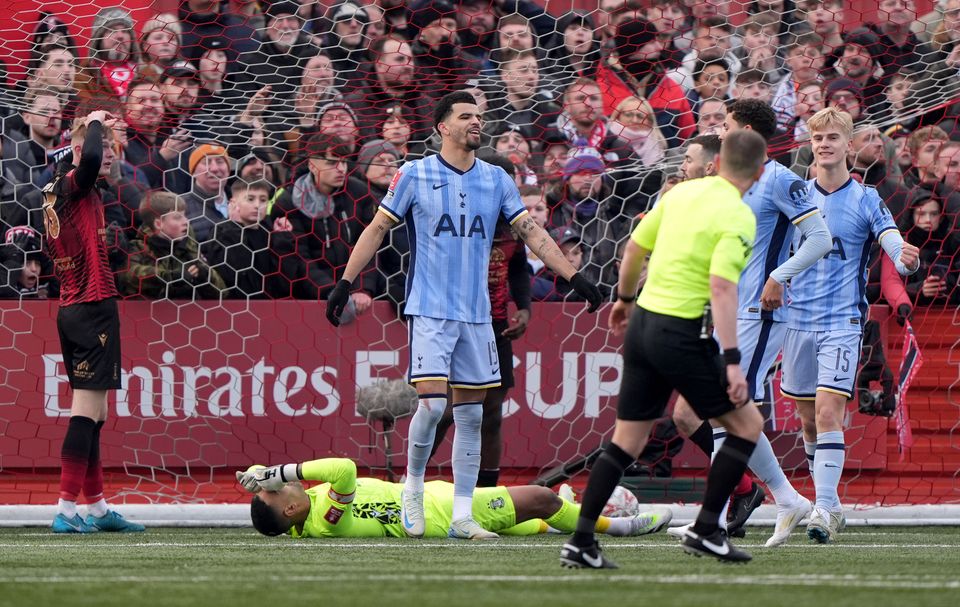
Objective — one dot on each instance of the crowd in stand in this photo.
(256, 139)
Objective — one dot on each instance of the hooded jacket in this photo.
(94, 90)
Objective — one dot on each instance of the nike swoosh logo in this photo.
(437, 186)
(722, 550)
(593, 561)
(406, 522)
(497, 370)
(830, 466)
(838, 378)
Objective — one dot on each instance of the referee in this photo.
(699, 239)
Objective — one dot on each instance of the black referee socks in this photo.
(728, 466)
(604, 478)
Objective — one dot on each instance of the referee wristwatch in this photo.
(627, 298)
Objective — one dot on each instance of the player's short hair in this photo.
(157, 203)
(445, 105)
(923, 135)
(709, 143)
(78, 132)
(756, 114)
(267, 520)
(831, 117)
(742, 153)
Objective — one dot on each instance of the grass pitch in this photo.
(868, 567)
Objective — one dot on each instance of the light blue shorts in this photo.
(461, 353)
(760, 342)
(820, 360)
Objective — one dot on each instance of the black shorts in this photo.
(662, 354)
(505, 354)
(90, 340)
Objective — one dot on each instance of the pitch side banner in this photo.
(208, 385)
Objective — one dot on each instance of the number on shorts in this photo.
(844, 357)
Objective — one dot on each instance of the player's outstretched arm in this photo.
(367, 246)
(547, 250)
(341, 473)
(816, 243)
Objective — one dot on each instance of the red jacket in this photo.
(667, 99)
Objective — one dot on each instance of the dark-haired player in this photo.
(451, 203)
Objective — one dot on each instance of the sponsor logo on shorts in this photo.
(333, 515)
(496, 503)
(82, 370)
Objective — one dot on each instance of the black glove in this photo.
(586, 290)
(904, 313)
(337, 301)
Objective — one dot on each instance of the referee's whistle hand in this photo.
(619, 315)
(736, 385)
(587, 290)
(771, 297)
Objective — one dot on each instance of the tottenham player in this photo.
(450, 203)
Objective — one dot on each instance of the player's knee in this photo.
(828, 419)
(546, 502)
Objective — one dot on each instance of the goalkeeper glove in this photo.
(248, 478)
(587, 290)
(275, 477)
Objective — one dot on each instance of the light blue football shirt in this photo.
(779, 199)
(831, 294)
(451, 216)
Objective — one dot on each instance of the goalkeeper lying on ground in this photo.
(346, 506)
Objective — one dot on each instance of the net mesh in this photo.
(280, 126)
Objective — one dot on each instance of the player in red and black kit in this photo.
(88, 321)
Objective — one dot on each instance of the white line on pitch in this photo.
(413, 545)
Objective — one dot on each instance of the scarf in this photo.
(597, 134)
(310, 200)
(118, 76)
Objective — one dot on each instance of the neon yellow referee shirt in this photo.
(700, 227)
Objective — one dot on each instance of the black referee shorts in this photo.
(505, 354)
(90, 341)
(662, 354)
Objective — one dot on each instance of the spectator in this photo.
(255, 256)
(180, 88)
(477, 20)
(711, 80)
(634, 122)
(203, 20)
(279, 60)
(924, 146)
(25, 271)
(259, 165)
(588, 204)
(583, 124)
(670, 18)
(346, 42)
(548, 286)
(395, 16)
(26, 158)
(378, 24)
(760, 46)
(926, 227)
(377, 163)
(753, 84)
(212, 72)
(206, 202)
(637, 72)
(948, 171)
(868, 161)
(804, 60)
(576, 53)
(784, 8)
(113, 59)
(54, 69)
(825, 18)
(146, 149)
(165, 261)
(535, 203)
(511, 144)
(321, 207)
(521, 103)
(944, 35)
(391, 80)
(901, 140)
(248, 12)
(712, 114)
(556, 152)
(896, 17)
(50, 31)
(436, 47)
(395, 130)
(809, 102)
(160, 42)
(857, 62)
(845, 95)
(712, 40)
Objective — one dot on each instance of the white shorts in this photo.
(461, 353)
(760, 343)
(820, 360)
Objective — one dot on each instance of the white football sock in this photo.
(764, 464)
(67, 508)
(98, 508)
(423, 431)
(467, 418)
(827, 468)
(811, 450)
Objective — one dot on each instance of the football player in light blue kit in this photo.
(781, 204)
(450, 203)
(828, 307)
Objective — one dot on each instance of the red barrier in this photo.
(210, 385)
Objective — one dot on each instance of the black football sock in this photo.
(703, 438)
(728, 466)
(604, 477)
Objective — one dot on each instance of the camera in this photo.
(875, 402)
